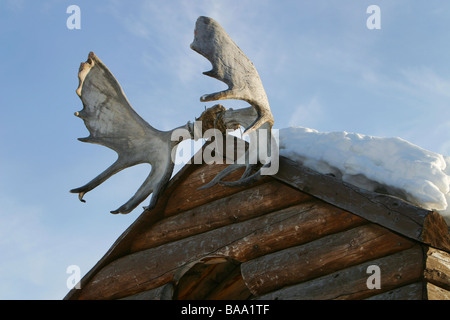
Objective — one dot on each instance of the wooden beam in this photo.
(165, 292)
(412, 291)
(396, 270)
(437, 268)
(187, 196)
(435, 232)
(320, 257)
(393, 213)
(436, 293)
(154, 267)
(295, 225)
(247, 204)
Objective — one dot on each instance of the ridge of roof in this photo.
(391, 212)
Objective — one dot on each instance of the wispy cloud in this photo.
(308, 114)
(169, 27)
(425, 81)
(412, 80)
(419, 97)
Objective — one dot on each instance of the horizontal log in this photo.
(393, 213)
(436, 293)
(437, 268)
(187, 196)
(396, 270)
(435, 231)
(295, 225)
(320, 257)
(154, 267)
(165, 292)
(238, 207)
(412, 291)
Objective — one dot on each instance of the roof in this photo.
(397, 215)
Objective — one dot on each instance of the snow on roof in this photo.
(389, 165)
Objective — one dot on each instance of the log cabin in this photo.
(295, 235)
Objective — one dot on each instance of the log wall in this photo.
(266, 241)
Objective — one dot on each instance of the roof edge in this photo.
(393, 213)
(396, 214)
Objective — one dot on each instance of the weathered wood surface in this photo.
(412, 291)
(165, 292)
(187, 196)
(393, 213)
(232, 288)
(247, 204)
(320, 257)
(153, 267)
(437, 268)
(435, 232)
(289, 227)
(396, 270)
(212, 282)
(436, 293)
(201, 279)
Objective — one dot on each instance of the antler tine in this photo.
(231, 65)
(113, 169)
(112, 122)
(228, 120)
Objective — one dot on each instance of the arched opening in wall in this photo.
(213, 279)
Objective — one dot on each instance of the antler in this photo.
(112, 122)
(231, 65)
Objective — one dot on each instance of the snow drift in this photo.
(389, 165)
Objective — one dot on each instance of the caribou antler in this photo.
(231, 65)
(112, 122)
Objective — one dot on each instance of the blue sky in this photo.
(321, 67)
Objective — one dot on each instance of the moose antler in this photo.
(231, 65)
(112, 122)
